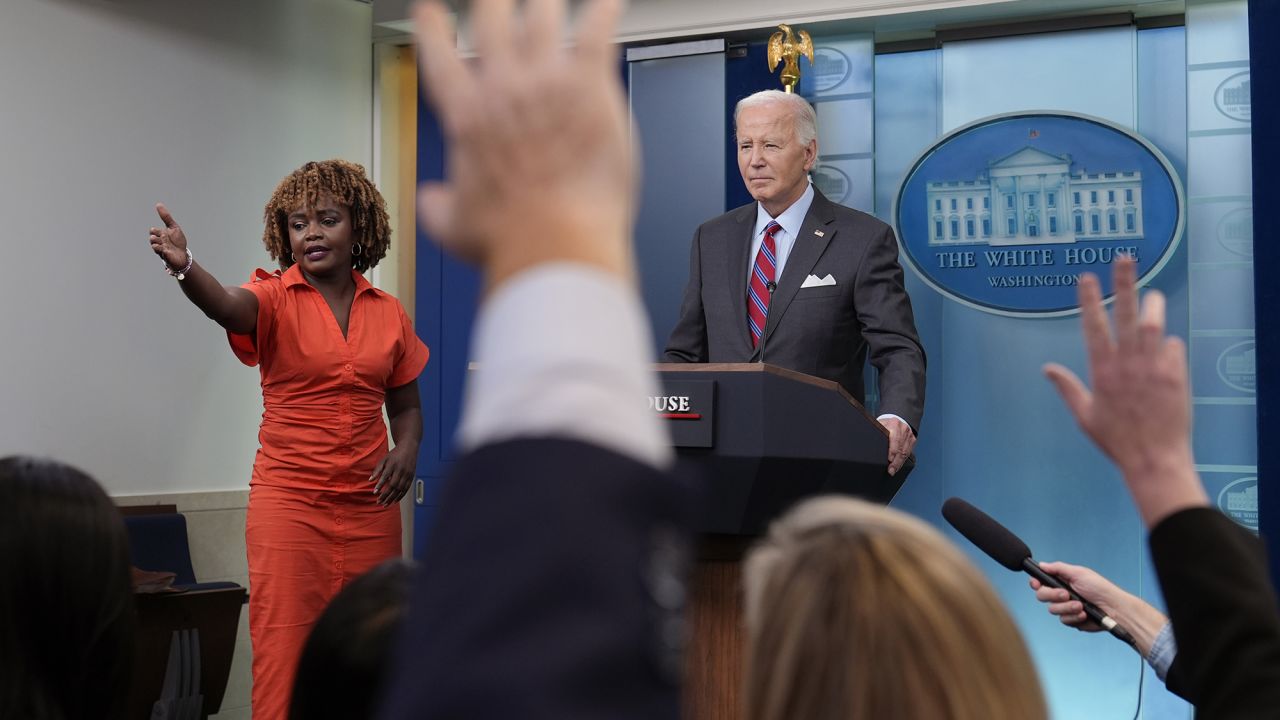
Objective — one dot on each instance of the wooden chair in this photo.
(186, 636)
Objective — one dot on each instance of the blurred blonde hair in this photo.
(855, 611)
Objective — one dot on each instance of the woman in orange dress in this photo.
(332, 350)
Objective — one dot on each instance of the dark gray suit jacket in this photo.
(827, 331)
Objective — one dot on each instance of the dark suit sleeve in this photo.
(1175, 683)
(1225, 619)
(551, 589)
(889, 329)
(688, 341)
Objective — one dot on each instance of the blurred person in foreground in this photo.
(347, 657)
(859, 611)
(66, 606)
(552, 584)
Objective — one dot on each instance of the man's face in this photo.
(774, 165)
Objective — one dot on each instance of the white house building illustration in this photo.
(1245, 500)
(1237, 94)
(1032, 197)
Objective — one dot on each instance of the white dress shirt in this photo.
(790, 219)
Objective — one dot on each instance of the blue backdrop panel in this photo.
(1161, 91)
(1223, 296)
(1223, 367)
(841, 87)
(1227, 225)
(1220, 188)
(994, 430)
(676, 104)
(1234, 443)
(908, 115)
(1086, 71)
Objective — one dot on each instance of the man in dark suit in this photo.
(797, 281)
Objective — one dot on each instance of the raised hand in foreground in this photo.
(1138, 410)
(540, 165)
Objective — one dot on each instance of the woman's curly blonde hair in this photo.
(345, 182)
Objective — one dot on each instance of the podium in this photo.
(763, 438)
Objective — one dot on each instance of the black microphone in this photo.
(770, 286)
(1010, 551)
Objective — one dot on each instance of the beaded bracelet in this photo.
(180, 274)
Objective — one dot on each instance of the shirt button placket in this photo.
(345, 428)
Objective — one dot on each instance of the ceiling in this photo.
(891, 20)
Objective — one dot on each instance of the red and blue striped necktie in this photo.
(762, 276)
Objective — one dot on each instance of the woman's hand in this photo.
(394, 474)
(169, 242)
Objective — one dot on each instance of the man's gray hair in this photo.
(804, 118)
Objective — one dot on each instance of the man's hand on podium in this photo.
(902, 440)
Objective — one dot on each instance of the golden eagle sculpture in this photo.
(783, 47)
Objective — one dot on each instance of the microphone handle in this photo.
(1095, 613)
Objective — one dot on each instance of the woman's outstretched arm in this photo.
(234, 308)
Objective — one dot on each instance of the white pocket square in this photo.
(815, 281)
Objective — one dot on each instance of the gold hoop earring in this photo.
(356, 249)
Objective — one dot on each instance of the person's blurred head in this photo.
(348, 653)
(66, 605)
(856, 611)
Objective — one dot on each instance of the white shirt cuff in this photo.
(896, 417)
(562, 350)
(1163, 650)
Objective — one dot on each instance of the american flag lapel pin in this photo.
(818, 233)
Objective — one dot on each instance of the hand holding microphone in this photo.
(1010, 551)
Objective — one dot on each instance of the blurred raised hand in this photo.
(540, 165)
(1138, 410)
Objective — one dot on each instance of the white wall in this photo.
(107, 106)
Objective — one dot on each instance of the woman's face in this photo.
(321, 237)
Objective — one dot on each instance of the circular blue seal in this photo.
(830, 68)
(1005, 213)
(1235, 232)
(1232, 97)
(1239, 501)
(1238, 368)
(833, 182)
